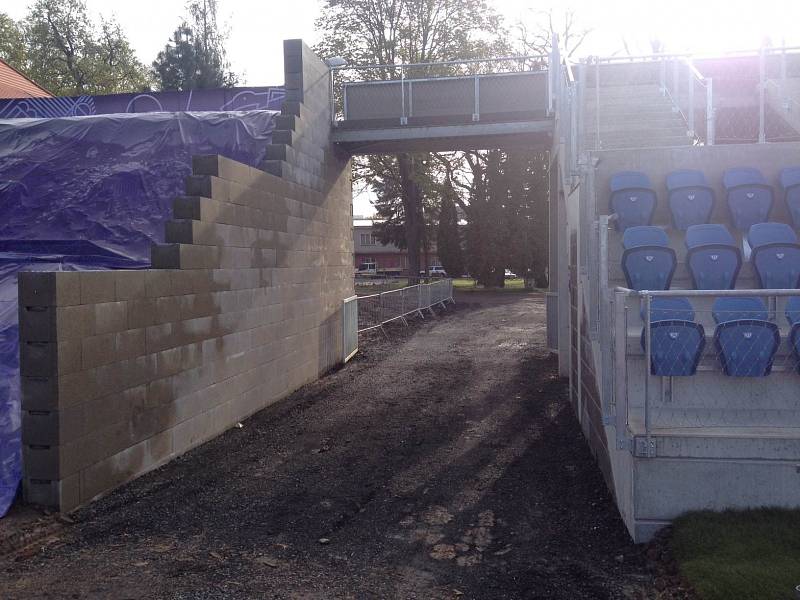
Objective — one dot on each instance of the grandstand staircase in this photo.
(633, 116)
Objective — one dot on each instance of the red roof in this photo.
(14, 84)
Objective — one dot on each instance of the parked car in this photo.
(366, 270)
(437, 271)
(509, 274)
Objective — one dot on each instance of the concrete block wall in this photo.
(124, 370)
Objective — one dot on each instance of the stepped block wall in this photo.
(124, 370)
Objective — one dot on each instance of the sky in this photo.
(258, 28)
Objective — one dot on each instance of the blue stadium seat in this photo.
(746, 341)
(632, 199)
(691, 200)
(790, 184)
(713, 257)
(776, 255)
(648, 262)
(669, 308)
(749, 196)
(676, 341)
(793, 316)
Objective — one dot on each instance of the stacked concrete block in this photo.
(123, 370)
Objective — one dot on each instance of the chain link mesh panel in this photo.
(716, 362)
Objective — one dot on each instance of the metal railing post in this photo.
(710, 112)
(381, 308)
(663, 75)
(476, 115)
(331, 71)
(783, 72)
(573, 128)
(676, 81)
(597, 141)
(690, 115)
(647, 353)
(403, 118)
(762, 134)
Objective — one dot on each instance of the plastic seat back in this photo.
(632, 199)
(676, 341)
(776, 255)
(749, 196)
(669, 309)
(675, 347)
(735, 308)
(764, 234)
(713, 258)
(792, 310)
(747, 347)
(691, 200)
(648, 262)
(790, 183)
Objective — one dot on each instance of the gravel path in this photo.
(444, 462)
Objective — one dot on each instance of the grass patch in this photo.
(746, 555)
(465, 284)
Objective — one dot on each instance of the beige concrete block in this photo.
(181, 282)
(110, 317)
(130, 285)
(168, 309)
(98, 350)
(157, 283)
(141, 313)
(75, 388)
(69, 356)
(158, 337)
(68, 288)
(73, 322)
(123, 466)
(130, 344)
(97, 286)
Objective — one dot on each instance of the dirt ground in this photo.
(444, 462)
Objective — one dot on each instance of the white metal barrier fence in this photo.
(376, 310)
(350, 327)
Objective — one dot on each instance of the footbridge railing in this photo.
(441, 93)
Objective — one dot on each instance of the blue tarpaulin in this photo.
(94, 192)
(224, 99)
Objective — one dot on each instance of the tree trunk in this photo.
(412, 207)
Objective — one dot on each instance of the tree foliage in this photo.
(12, 42)
(195, 57)
(393, 32)
(448, 236)
(65, 52)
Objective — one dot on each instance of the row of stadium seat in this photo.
(745, 340)
(712, 257)
(691, 200)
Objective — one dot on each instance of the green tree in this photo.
(448, 237)
(195, 57)
(12, 42)
(67, 54)
(394, 32)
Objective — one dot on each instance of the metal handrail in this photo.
(705, 293)
(520, 57)
(696, 55)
